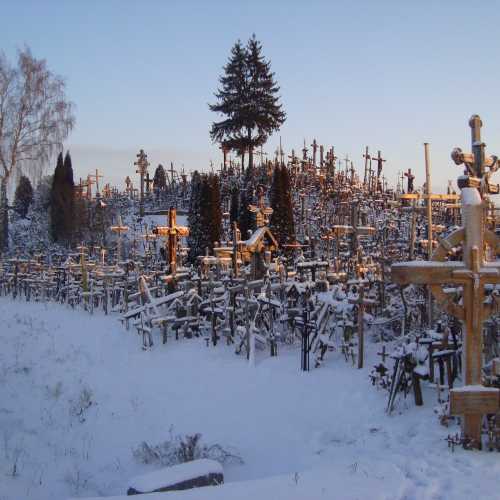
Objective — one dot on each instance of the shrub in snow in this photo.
(181, 449)
(82, 404)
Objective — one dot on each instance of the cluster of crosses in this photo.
(357, 242)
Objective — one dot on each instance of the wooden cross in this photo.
(148, 181)
(314, 146)
(96, 176)
(353, 171)
(260, 210)
(119, 229)
(477, 163)
(410, 177)
(225, 149)
(261, 154)
(361, 302)
(172, 231)
(367, 158)
(321, 154)
(474, 274)
(304, 151)
(142, 167)
(89, 186)
(173, 171)
(346, 160)
(380, 162)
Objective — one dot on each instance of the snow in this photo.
(175, 474)
(77, 395)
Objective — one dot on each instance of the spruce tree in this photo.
(263, 114)
(23, 197)
(249, 100)
(231, 98)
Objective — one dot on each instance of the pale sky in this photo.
(387, 74)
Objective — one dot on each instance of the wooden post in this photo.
(429, 225)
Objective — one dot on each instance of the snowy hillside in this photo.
(78, 395)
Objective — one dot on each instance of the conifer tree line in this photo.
(249, 100)
(205, 215)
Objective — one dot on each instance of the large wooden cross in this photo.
(172, 232)
(473, 273)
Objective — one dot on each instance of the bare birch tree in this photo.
(35, 119)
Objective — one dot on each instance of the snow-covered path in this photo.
(54, 360)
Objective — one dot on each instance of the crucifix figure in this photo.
(410, 177)
(380, 162)
(367, 157)
(172, 231)
(142, 168)
(473, 274)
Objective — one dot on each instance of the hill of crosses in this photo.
(279, 326)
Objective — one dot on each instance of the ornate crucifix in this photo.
(473, 274)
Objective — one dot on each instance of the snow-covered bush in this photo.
(180, 449)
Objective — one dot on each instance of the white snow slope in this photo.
(325, 431)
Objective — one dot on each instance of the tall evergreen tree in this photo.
(23, 196)
(246, 220)
(281, 222)
(249, 100)
(62, 200)
(231, 98)
(215, 217)
(263, 114)
(194, 220)
(235, 206)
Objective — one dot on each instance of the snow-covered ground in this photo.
(326, 431)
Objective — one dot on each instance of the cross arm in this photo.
(422, 272)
